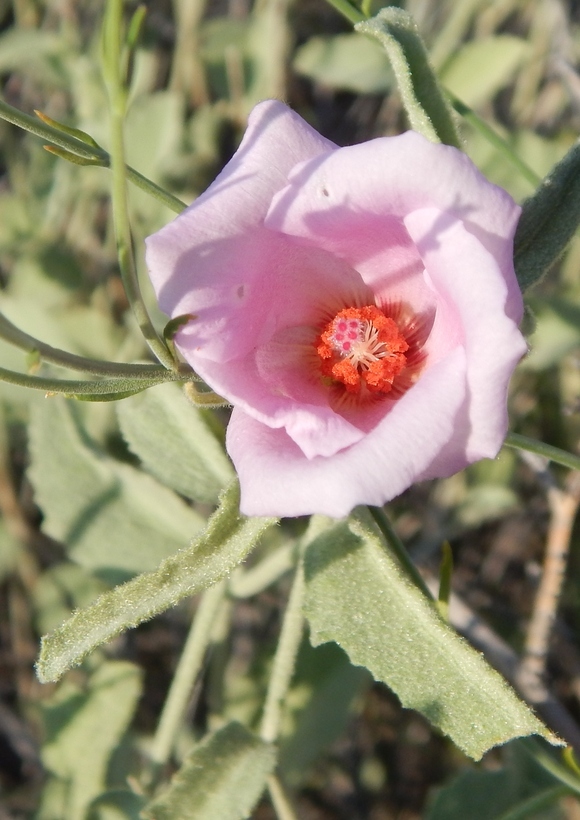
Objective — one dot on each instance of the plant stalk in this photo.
(546, 450)
(10, 333)
(115, 82)
(284, 659)
(187, 671)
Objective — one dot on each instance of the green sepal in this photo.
(424, 102)
(62, 153)
(136, 27)
(174, 325)
(66, 129)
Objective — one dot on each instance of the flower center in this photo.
(362, 347)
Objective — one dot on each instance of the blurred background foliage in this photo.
(84, 502)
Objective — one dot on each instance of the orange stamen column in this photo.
(362, 346)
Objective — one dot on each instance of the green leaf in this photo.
(37, 54)
(488, 795)
(175, 442)
(345, 61)
(501, 56)
(225, 542)
(222, 777)
(320, 703)
(83, 728)
(549, 220)
(358, 595)
(557, 331)
(153, 135)
(112, 518)
(117, 804)
(424, 103)
(61, 589)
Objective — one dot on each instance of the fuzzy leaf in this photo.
(225, 542)
(549, 220)
(358, 596)
(175, 442)
(112, 518)
(83, 728)
(501, 57)
(424, 103)
(222, 777)
(488, 795)
(345, 61)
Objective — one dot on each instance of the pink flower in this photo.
(357, 306)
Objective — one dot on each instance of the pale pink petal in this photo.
(309, 420)
(277, 479)
(216, 255)
(352, 203)
(474, 288)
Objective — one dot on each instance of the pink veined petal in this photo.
(277, 479)
(215, 254)
(329, 199)
(468, 278)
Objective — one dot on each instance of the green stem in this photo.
(546, 450)
(245, 583)
(187, 671)
(398, 548)
(348, 10)
(281, 799)
(103, 387)
(112, 63)
(562, 773)
(533, 804)
(284, 659)
(494, 139)
(10, 333)
(172, 202)
(94, 155)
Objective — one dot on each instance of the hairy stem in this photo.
(187, 671)
(281, 799)
(284, 659)
(112, 71)
(10, 333)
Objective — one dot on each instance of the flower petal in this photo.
(352, 203)
(277, 479)
(215, 253)
(469, 281)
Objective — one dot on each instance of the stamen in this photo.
(362, 347)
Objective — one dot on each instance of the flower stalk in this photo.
(10, 333)
(187, 671)
(114, 67)
(566, 459)
(284, 659)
